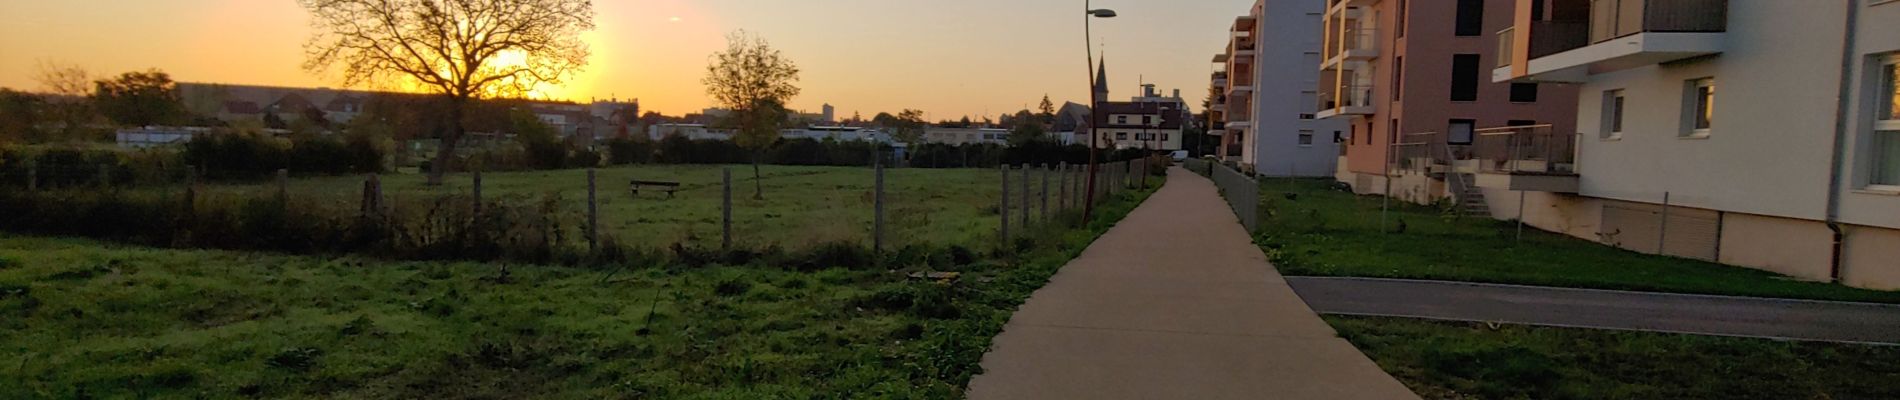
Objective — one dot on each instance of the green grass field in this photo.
(1457, 360)
(1324, 232)
(802, 206)
(80, 318)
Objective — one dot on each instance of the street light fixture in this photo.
(1088, 44)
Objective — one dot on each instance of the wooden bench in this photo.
(669, 187)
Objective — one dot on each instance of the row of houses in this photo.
(1757, 133)
(583, 123)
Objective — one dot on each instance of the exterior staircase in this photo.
(1469, 197)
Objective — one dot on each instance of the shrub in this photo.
(624, 151)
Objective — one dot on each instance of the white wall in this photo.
(1770, 148)
(1283, 76)
(1878, 34)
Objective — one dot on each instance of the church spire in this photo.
(1101, 79)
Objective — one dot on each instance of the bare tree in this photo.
(462, 50)
(755, 81)
(69, 87)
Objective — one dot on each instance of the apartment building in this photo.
(1266, 87)
(1758, 133)
(1409, 77)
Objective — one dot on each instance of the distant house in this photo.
(240, 111)
(344, 107)
(1139, 125)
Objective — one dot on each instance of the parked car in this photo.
(1180, 155)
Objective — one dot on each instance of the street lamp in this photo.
(1088, 44)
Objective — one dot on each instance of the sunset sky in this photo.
(949, 58)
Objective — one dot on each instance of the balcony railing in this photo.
(1350, 95)
(1525, 150)
(1507, 46)
(1611, 19)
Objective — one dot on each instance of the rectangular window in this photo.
(1398, 77)
(1464, 77)
(1147, 120)
(1461, 131)
(1164, 137)
(1520, 122)
(1121, 135)
(1886, 141)
(1612, 121)
(1339, 137)
(1306, 138)
(1121, 120)
(1401, 18)
(1523, 93)
(1699, 107)
(1470, 18)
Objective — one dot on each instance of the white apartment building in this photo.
(1277, 47)
(1757, 133)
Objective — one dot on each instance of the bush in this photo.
(624, 151)
(228, 155)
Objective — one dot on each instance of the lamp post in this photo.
(1088, 43)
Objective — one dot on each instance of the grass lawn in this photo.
(803, 205)
(1325, 232)
(80, 318)
(1457, 360)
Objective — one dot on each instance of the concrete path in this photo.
(1175, 302)
(1605, 309)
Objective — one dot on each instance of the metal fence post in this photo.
(593, 215)
(725, 209)
(877, 206)
(1662, 233)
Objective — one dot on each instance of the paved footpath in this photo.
(1605, 309)
(1175, 302)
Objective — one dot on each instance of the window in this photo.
(1612, 128)
(1121, 120)
(1164, 137)
(1464, 77)
(1401, 18)
(1699, 105)
(1520, 122)
(1306, 138)
(1147, 120)
(1886, 141)
(1523, 93)
(1470, 18)
(1306, 116)
(1461, 131)
(1398, 77)
(1121, 135)
(1339, 137)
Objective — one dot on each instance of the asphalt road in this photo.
(1604, 309)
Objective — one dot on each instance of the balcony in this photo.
(1354, 44)
(1344, 93)
(1616, 35)
(1526, 158)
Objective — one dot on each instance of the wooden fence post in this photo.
(1062, 186)
(477, 191)
(1025, 196)
(33, 177)
(593, 215)
(1044, 171)
(283, 186)
(877, 207)
(1004, 208)
(725, 209)
(372, 197)
(191, 191)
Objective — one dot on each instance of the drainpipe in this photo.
(1835, 173)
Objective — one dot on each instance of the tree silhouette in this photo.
(452, 48)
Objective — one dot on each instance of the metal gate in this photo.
(1689, 232)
